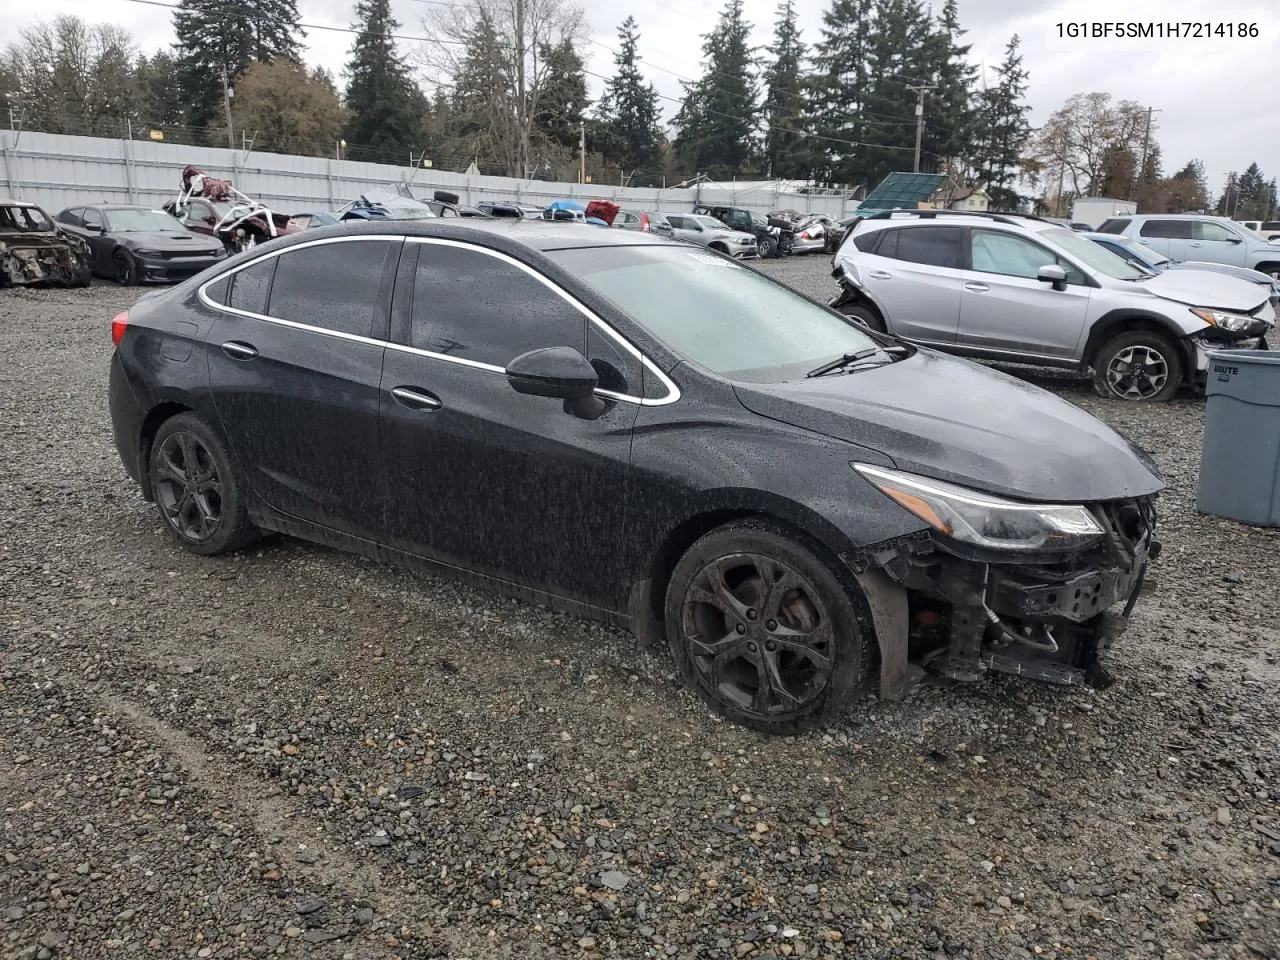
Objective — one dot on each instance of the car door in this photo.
(100, 246)
(478, 476)
(1169, 237)
(914, 275)
(1006, 309)
(295, 364)
(685, 228)
(1215, 243)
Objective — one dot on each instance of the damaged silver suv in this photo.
(1024, 289)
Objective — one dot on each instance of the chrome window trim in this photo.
(673, 391)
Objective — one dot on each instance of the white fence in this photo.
(58, 171)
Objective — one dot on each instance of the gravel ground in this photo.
(299, 752)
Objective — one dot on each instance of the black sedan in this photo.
(132, 244)
(645, 433)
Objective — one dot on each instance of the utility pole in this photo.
(522, 104)
(226, 105)
(582, 151)
(921, 90)
(1146, 145)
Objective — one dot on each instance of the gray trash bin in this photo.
(1240, 468)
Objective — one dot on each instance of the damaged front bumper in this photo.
(56, 263)
(961, 612)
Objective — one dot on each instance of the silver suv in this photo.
(710, 232)
(1189, 236)
(1023, 289)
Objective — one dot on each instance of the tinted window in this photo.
(1208, 230)
(866, 242)
(472, 305)
(250, 286)
(1270, 225)
(91, 218)
(1167, 229)
(70, 216)
(1113, 226)
(619, 369)
(333, 285)
(935, 246)
(217, 291)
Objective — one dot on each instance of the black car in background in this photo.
(642, 432)
(134, 244)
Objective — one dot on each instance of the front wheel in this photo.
(124, 268)
(1139, 365)
(759, 625)
(768, 247)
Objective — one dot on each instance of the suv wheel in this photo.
(761, 628)
(768, 247)
(1139, 365)
(868, 318)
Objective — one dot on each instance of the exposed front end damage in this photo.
(26, 262)
(962, 611)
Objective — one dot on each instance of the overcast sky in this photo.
(1217, 98)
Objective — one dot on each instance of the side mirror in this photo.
(1234, 240)
(1053, 274)
(560, 372)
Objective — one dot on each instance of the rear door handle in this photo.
(237, 350)
(415, 399)
(977, 287)
(880, 275)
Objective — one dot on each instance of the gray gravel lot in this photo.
(299, 752)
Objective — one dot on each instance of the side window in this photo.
(92, 219)
(1208, 230)
(675, 221)
(1167, 229)
(217, 291)
(934, 246)
(250, 286)
(618, 368)
(71, 217)
(331, 285)
(1008, 255)
(1113, 226)
(473, 305)
(866, 242)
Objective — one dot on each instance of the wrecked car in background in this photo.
(214, 207)
(34, 249)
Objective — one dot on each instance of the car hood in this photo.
(954, 420)
(1201, 288)
(734, 235)
(1226, 269)
(166, 240)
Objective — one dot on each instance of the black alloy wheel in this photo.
(124, 268)
(195, 489)
(764, 632)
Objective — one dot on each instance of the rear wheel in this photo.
(197, 492)
(759, 625)
(1138, 365)
(124, 268)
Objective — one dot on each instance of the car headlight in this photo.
(147, 253)
(745, 240)
(1233, 322)
(218, 253)
(984, 520)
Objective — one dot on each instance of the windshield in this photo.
(1092, 255)
(138, 221)
(726, 318)
(25, 219)
(1146, 255)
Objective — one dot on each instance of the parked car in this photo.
(134, 244)
(1022, 289)
(836, 232)
(644, 221)
(1148, 259)
(618, 425)
(710, 232)
(811, 234)
(772, 239)
(1188, 236)
(1076, 225)
(36, 250)
(384, 204)
(446, 203)
(526, 210)
(1267, 229)
(307, 221)
(214, 207)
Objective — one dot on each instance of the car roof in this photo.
(1170, 216)
(502, 232)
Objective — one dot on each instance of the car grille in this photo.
(180, 254)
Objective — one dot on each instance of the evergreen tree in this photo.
(385, 107)
(717, 118)
(950, 116)
(1186, 191)
(564, 96)
(481, 88)
(1254, 193)
(1230, 197)
(785, 147)
(627, 127)
(1002, 128)
(160, 101)
(212, 37)
(897, 57)
(838, 87)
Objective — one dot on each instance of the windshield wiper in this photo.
(843, 361)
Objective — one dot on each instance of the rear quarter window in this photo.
(866, 242)
(250, 286)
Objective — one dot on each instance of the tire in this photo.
(198, 494)
(868, 318)
(124, 269)
(1270, 269)
(768, 247)
(1158, 361)
(768, 678)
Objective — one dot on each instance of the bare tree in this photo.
(493, 52)
(1090, 144)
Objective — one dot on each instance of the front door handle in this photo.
(415, 399)
(880, 275)
(237, 350)
(977, 287)
(1195, 244)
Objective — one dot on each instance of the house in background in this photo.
(973, 199)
